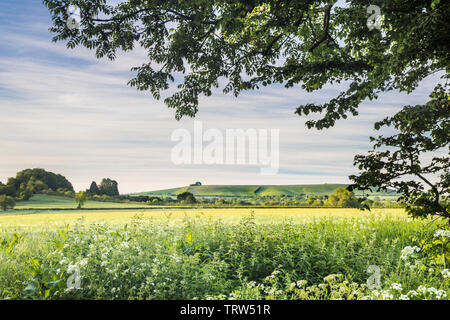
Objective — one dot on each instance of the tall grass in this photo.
(198, 258)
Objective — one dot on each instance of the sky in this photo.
(67, 112)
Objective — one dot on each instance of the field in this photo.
(256, 190)
(217, 254)
(42, 201)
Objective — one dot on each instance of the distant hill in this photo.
(256, 190)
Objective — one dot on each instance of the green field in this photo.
(43, 201)
(225, 253)
(257, 190)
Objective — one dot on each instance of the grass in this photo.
(43, 201)
(254, 190)
(215, 254)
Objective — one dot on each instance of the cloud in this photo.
(66, 111)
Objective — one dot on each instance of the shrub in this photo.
(6, 202)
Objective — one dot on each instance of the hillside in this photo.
(256, 190)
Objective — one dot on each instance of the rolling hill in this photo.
(256, 190)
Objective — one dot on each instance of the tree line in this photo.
(28, 182)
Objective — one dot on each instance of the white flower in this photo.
(412, 293)
(83, 262)
(442, 233)
(386, 295)
(72, 267)
(124, 245)
(403, 297)
(408, 251)
(439, 294)
(446, 273)
(422, 289)
(396, 286)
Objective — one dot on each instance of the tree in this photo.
(190, 199)
(80, 198)
(256, 43)
(6, 202)
(30, 181)
(250, 44)
(40, 179)
(187, 197)
(318, 203)
(342, 197)
(397, 162)
(25, 194)
(93, 189)
(109, 187)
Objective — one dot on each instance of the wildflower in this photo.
(386, 295)
(403, 297)
(71, 268)
(408, 251)
(332, 277)
(422, 289)
(83, 262)
(396, 286)
(301, 283)
(442, 233)
(446, 273)
(124, 245)
(412, 293)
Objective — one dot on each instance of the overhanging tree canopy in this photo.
(251, 44)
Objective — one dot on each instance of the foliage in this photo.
(9, 242)
(93, 189)
(6, 202)
(31, 181)
(186, 197)
(80, 198)
(199, 258)
(342, 198)
(398, 162)
(257, 43)
(436, 248)
(108, 187)
(43, 281)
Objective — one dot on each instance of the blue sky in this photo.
(67, 112)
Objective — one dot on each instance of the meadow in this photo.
(43, 201)
(220, 254)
